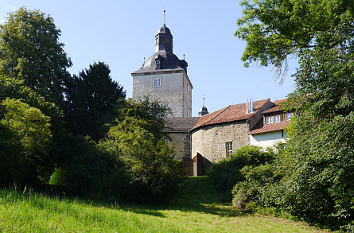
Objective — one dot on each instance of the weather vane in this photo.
(164, 17)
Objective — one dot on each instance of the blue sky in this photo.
(121, 33)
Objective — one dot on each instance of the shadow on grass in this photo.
(196, 195)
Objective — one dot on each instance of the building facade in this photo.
(163, 77)
(271, 130)
(221, 133)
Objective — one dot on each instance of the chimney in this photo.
(249, 106)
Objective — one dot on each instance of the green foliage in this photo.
(319, 186)
(93, 173)
(319, 158)
(27, 130)
(93, 99)
(30, 51)
(59, 177)
(149, 161)
(151, 112)
(275, 29)
(227, 172)
(249, 193)
(14, 88)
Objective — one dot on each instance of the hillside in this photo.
(196, 208)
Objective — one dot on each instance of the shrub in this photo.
(227, 172)
(319, 185)
(153, 170)
(93, 173)
(25, 141)
(249, 193)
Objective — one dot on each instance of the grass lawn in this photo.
(195, 208)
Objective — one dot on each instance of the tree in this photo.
(319, 152)
(30, 50)
(320, 33)
(27, 130)
(151, 112)
(93, 99)
(152, 168)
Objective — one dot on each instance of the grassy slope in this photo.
(194, 209)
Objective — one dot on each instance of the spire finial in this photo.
(203, 100)
(164, 17)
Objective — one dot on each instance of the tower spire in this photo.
(164, 17)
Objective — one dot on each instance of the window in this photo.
(157, 82)
(288, 116)
(228, 147)
(269, 120)
(272, 119)
(277, 118)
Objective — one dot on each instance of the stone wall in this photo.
(209, 141)
(182, 144)
(187, 99)
(175, 90)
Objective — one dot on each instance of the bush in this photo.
(93, 173)
(25, 141)
(249, 193)
(59, 177)
(319, 184)
(153, 170)
(227, 172)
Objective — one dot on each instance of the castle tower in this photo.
(163, 77)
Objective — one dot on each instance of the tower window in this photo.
(157, 82)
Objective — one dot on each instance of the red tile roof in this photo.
(231, 113)
(270, 128)
(276, 107)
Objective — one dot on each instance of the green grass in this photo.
(196, 208)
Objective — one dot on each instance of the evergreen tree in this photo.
(92, 101)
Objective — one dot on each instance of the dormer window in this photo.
(269, 120)
(276, 118)
(158, 63)
(289, 115)
(272, 119)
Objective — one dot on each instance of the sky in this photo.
(121, 33)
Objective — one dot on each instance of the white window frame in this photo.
(269, 120)
(156, 82)
(276, 118)
(228, 148)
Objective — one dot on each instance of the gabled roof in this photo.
(231, 113)
(270, 128)
(180, 124)
(276, 107)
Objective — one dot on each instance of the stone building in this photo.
(208, 138)
(219, 134)
(178, 131)
(164, 77)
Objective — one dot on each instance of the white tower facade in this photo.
(163, 77)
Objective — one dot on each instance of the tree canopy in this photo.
(30, 50)
(92, 100)
(318, 165)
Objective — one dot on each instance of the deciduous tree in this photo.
(30, 50)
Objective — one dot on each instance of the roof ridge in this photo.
(215, 116)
